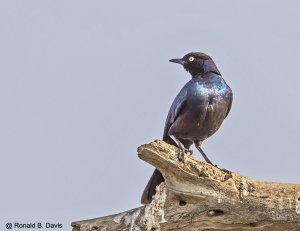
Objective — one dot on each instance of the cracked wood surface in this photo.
(199, 196)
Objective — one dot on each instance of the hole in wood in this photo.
(215, 212)
(182, 203)
(252, 224)
(95, 228)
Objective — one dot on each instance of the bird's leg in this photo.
(208, 161)
(182, 150)
(203, 154)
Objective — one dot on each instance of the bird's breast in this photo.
(205, 109)
(204, 90)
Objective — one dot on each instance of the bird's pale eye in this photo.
(191, 59)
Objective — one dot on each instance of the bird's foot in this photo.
(183, 151)
(223, 169)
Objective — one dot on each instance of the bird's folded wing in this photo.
(176, 107)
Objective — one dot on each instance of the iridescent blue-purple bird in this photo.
(196, 113)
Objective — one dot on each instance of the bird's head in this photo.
(197, 63)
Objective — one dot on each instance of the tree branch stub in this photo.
(199, 196)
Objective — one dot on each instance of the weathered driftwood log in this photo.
(199, 196)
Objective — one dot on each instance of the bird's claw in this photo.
(180, 155)
(223, 169)
(183, 151)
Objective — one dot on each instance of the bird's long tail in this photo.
(150, 189)
(155, 179)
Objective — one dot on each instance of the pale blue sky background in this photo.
(84, 83)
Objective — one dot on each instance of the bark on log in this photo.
(199, 196)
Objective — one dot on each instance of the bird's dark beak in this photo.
(180, 61)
